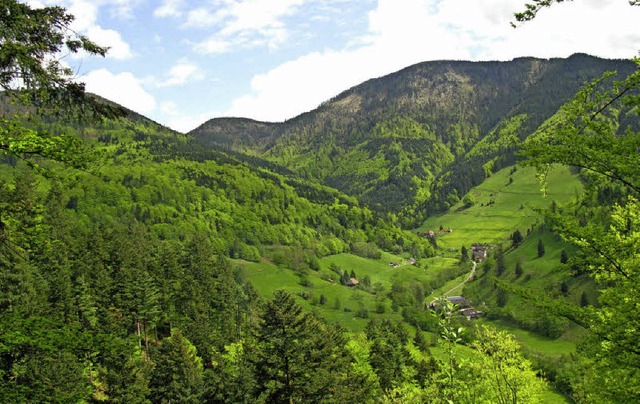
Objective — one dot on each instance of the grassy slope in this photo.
(513, 207)
(267, 277)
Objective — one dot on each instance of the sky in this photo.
(183, 62)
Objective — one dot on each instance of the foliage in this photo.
(510, 376)
(32, 39)
(533, 8)
(177, 376)
(518, 270)
(122, 285)
(587, 134)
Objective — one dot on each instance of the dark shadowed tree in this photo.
(178, 373)
(297, 358)
(564, 257)
(518, 270)
(540, 248)
(516, 238)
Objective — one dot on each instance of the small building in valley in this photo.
(471, 313)
(478, 252)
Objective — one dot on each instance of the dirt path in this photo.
(467, 279)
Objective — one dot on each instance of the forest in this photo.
(130, 253)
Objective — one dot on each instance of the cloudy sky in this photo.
(183, 62)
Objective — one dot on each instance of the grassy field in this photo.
(502, 206)
(533, 341)
(342, 302)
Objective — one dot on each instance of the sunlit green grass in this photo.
(502, 207)
(342, 302)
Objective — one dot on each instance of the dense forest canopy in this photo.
(123, 244)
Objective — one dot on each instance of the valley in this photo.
(311, 260)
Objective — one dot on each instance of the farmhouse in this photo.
(478, 252)
(471, 313)
(429, 233)
(457, 300)
(352, 282)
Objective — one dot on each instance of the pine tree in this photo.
(540, 248)
(564, 257)
(344, 278)
(501, 267)
(464, 254)
(519, 270)
(178, 373)
(516, 238)
(502, 298)
(420, 341)
(297, 358)
(584, 299)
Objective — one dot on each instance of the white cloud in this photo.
(86, 16)
(181, 73)
(604, 28)
(173, 118)
(122, 8)
(203, 17)
(118, 48)
(123, 88)
(186, 123)
(302, 84)
(405, 32)
(245, 23)
(169, 8)
(213, 46)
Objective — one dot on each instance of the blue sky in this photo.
(183, 62)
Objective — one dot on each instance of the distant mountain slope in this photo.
(402, 141)
(143, 172)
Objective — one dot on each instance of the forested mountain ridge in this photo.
(402, 141)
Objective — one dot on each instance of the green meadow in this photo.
(342, 303)
(504, 202)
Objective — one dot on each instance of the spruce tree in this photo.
(516, 238)
(464, 254)
(518, 269)
(500, 264)
(297, 357)
(178, 373)
(584, 299)
(540, 248)
(564, 257)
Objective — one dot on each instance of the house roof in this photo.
(456, 299)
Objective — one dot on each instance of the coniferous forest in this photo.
(315, 260)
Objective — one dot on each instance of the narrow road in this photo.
(467, 279)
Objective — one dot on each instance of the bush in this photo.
(362, 313)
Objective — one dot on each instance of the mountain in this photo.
(416, 140)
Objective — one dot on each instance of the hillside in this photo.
(408, 142)
(509, 200)
(274, 262)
